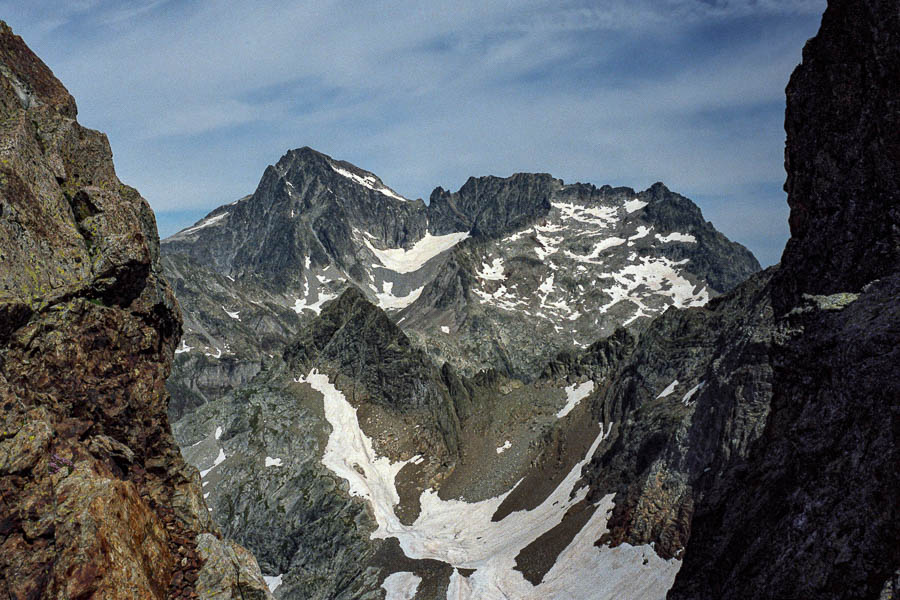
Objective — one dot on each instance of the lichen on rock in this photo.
(95, 499)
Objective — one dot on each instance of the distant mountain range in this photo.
(464, 333)
(503, 274)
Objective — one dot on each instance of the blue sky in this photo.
(198, 96)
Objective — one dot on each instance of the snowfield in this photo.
(401, 260)
(463, 535)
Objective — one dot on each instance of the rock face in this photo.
(843, 154)
(500, 274)
(96, 499)
(811, 512)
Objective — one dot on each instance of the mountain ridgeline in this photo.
(502, 274)
(528, 389)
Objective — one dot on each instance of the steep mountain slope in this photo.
(475, 275)
(812, 512)
(427, 465)
(97, 501)
(754, 436)
(596, 259)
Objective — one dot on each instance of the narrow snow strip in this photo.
(676, 237)
(401, 586)
(575, 393)
(368, 181)
(506, 446)
(386, 300)
(273, 582)
(459, 586)
(690, 394)
(669, 389)
(633, 205)
(273, 462)
(183, 348)
(401, 260)
(205, 223)
(233, 315)
(219, 459)
(349, 449)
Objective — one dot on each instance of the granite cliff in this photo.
(812, 510)
(95, 498)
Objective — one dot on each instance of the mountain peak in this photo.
(307, 160)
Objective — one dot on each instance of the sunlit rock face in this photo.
(97, 501)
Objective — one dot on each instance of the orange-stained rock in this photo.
(95, 499)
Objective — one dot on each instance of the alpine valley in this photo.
(523, 389)
(387, 395)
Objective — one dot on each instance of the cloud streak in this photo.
(198, 97)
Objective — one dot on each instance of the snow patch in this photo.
(676, 237)
(686, 399)
(640, 232)
(600, 216)
(445, 329)
(401, 260)
(669, 389)
(491, 272)
(386, 300)
(183, 348)
(369, 181)
(633, 205)
(273, 462)
(218, 433)
(506, 446)
(575, 393)
(401, 586)
(301, 303)
(273, 582)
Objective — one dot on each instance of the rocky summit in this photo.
(528, 389)
(502, 274)
(97, 501)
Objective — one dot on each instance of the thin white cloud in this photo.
(198, 96)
